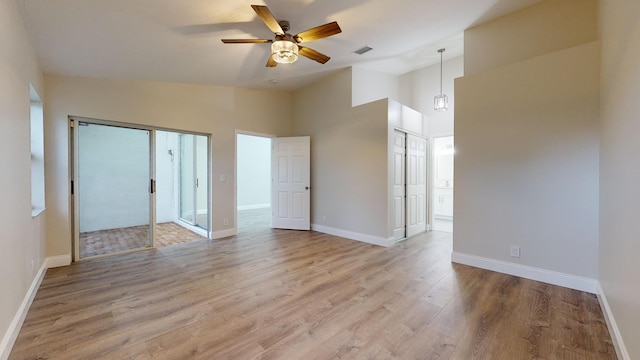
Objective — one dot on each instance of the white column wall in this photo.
(619, 170)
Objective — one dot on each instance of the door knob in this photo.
(306, 188)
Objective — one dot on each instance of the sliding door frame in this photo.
(195, 183)
(73, 173)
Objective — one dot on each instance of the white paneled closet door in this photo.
(416, 185)
(399, 185)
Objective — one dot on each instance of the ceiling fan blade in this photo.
(246, 41)
(318, 32)
(268, 19)
(313, 55)
(271, 62)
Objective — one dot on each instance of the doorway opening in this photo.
(125, 186)
(253, 176)
(442, 199)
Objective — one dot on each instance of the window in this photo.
(37, 153)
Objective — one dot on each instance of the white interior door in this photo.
(399, 152)
(416, 185)
(290, 189)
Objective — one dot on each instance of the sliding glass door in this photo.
(126, 177)
(193, 191)
(112, 185)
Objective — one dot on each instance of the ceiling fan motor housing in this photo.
(285, 25)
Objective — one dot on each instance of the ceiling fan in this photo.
(285, 48)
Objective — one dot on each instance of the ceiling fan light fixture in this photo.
(284, 51)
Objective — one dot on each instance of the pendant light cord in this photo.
(441, 51)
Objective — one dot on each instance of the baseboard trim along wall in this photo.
(223, 233)
(251, 207)
(353, 235)
(618, 343)
(57, 261)
(528, 272)
(14, 329)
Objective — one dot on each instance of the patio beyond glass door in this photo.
(113, 172)
(193, 191)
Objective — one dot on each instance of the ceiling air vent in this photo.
(363, 50)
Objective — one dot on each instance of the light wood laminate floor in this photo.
(277, 294)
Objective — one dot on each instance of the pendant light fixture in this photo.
(441, 102)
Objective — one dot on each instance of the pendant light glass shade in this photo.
(441, 102)
(284, 51)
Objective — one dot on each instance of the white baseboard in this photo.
(196, 229)
(353, 235)
(614, 331)
(251, 207)
(528, 272)
(57, 261)
(16, 324)
(223, 233)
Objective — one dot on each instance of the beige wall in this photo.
(370, 85)
(526, 163)
(619, 168)
(418, 88)
(21, 236)
(348, 157)
(213, 110)
(540, 29)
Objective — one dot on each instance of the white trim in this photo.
(528, 272)
(57, 261)
(618, 343)
(37, 211)
(353, 235)
(196, 229)
(223, 233)
(251, 207)
(11, 335)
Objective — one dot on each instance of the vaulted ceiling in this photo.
(179, 40)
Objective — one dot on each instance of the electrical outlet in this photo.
(223, 178)
(515, 251)
(324, 219)
(225, 222)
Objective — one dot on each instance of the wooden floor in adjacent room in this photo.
(276, 294)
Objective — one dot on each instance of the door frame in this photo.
(73, 171)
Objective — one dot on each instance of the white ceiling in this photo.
(179, 40)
